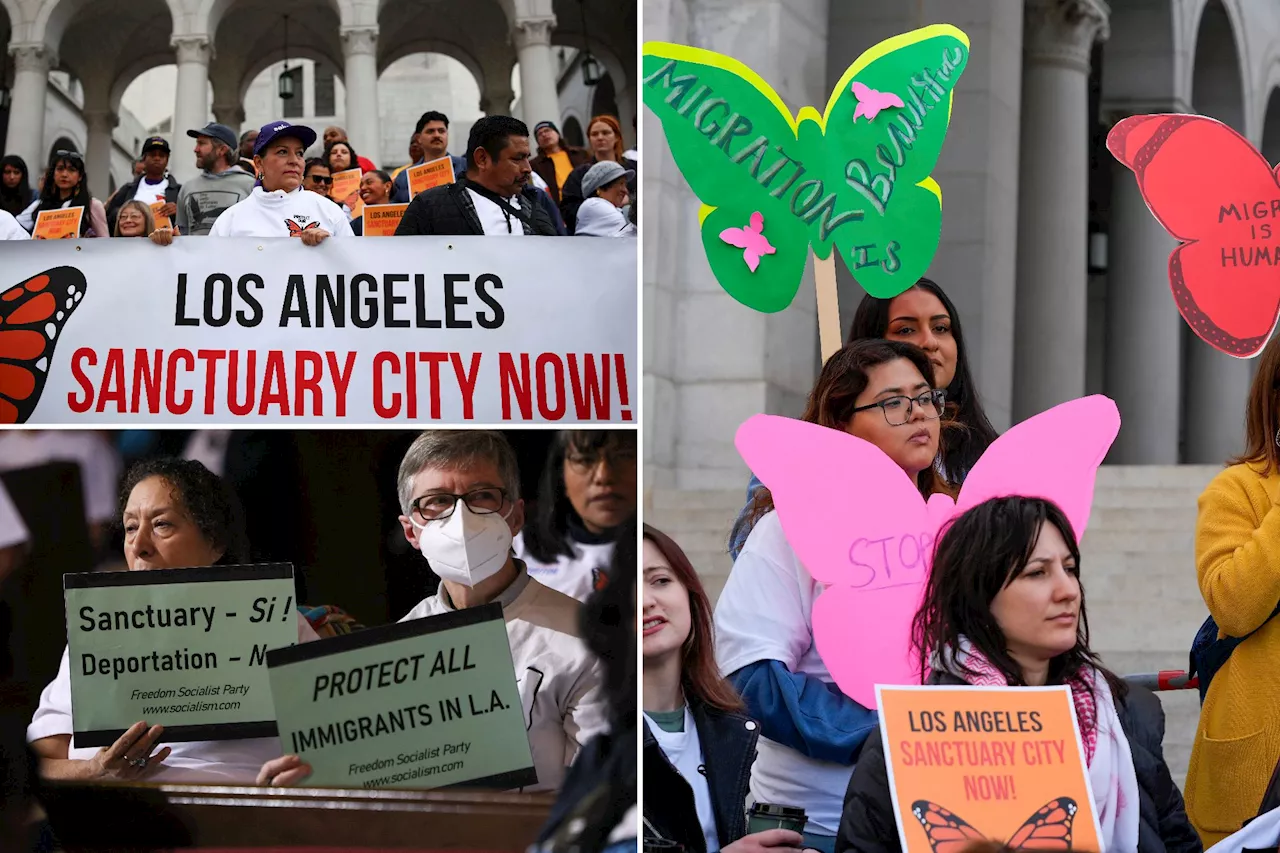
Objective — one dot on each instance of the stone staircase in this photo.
(1137, 558)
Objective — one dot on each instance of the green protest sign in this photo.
(422, 704)
(182, 648)
(855, 177)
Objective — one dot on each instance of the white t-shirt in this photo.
(10, 229)
(575, 575)
(12, 529)
(684, 751)
(765, 613)
(493, 220)
(99, 463)
(151, 193)
(191, 762)
(268, 214)
(560, 681)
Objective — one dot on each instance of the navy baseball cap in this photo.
(155, 143)
(213, 130)
(277, 129)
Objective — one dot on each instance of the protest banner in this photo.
(433, 173)
(1000, 763)
(63, 224)
(345, 183)
(381, 220)
(162, 221)
(1220, 199)
(224, 331)
(182, 648)
(421, 704)
(871, 544)
(855, 177)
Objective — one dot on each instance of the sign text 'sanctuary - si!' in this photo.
(237, 330)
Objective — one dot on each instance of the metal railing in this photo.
(1165, 679)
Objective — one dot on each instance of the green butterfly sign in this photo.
(854, 178)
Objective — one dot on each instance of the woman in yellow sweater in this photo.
(1238, 566)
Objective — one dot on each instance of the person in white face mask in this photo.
(460, 501)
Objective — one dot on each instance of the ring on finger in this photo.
(138, 762)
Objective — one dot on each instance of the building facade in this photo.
(1057, 268)
(220, 47)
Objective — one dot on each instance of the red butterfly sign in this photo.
(32, 317)
(295, 229)
(1047, 829)
(1220, 198)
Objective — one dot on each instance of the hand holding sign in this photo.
(1220, 198)
(131, 757)
(859, 525)
(855, 177)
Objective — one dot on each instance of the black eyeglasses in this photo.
(441, 506)
(897, 410)
(319, 180)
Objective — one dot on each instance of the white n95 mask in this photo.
(466, 548)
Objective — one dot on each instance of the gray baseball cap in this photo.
(604, 172)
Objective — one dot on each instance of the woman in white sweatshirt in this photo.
(278, 206)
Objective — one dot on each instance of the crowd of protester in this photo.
(170, 510)
(504, 184)
(739, 708)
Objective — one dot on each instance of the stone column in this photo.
(26, 114)
(1049, 329)
(359, 52)
(539, 100)
(190, 108)
(1144, 332)
(100, 123)
(1217, 390)
(627, 115)
(232, 115)
(496, 100)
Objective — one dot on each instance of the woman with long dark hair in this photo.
(1004, 605)
(922, 315)
(15, 185)
(66, 184)
(698, 745)
(587, 492)
(882, 392)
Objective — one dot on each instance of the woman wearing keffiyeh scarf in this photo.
(1004, 605)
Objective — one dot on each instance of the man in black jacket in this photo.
(155, 182)
(490, 199)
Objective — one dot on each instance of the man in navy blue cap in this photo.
(220, 184)
(153, 185)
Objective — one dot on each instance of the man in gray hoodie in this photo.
(221, 184)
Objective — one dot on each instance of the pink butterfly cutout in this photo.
(858, 524)
(872, 101)
(751, 240)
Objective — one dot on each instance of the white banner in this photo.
(237, 331)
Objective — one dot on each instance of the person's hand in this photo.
(170, 210)
(313, 236)
(769, 841)
(283, 772)
(164, 236)
(352, 200)
(130, 759)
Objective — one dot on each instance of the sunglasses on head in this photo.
(73, 156)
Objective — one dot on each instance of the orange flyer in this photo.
(344, 184)
(358, 210)
(1000, 763)
(434, 173)
(381, 220)
(58, 224)
(161, 221)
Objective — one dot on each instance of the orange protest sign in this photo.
(381, 220)
(357, 209)
(344, 184)
(1002, 763)
(58, 224)
(161, 220)
(433, 173)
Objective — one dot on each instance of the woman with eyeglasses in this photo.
(882, 392)
(66, 185)
(587, 492)
(925, 316)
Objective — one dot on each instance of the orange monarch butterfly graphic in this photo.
(32, 317)
(295, 228)
(1047, 829)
